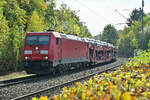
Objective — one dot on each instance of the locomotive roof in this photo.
(88, 40)
(73, 37)
(67, 36)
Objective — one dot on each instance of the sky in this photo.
(96, 14)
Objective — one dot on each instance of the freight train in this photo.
(52, 52)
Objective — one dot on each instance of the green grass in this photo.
(20, 76)
(14, 76)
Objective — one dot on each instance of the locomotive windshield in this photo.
(37, 40)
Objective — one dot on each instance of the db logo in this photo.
(37, 51)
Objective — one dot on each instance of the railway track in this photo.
(10, 82)
(16, 81)
(50, 90)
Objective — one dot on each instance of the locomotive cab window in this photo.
(57, 41)
(37, 40)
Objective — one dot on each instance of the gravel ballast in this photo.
(14, 91)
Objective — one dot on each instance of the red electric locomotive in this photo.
(48, 52)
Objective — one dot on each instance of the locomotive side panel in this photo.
(56, 48)
(73, 51)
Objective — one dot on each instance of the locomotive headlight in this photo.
(45, 57)
(36, 48)
(27, 51)
(26, 58)
(43, 51)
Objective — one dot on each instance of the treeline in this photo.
(20, 16)
(131, 38)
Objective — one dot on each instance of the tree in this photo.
(127, 45)
(36, 22)
(16, 19)
(50, 15)
(4, 30)
(2, 4)
(136, 15)
(136, 38)
(110, 34)
(148, 44)
(76, 29)
(4, 43)
(143, 37)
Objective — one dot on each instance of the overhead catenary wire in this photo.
(92, 11)
(120, 14)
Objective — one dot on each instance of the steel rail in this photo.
(46, 90)
(11, 82)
